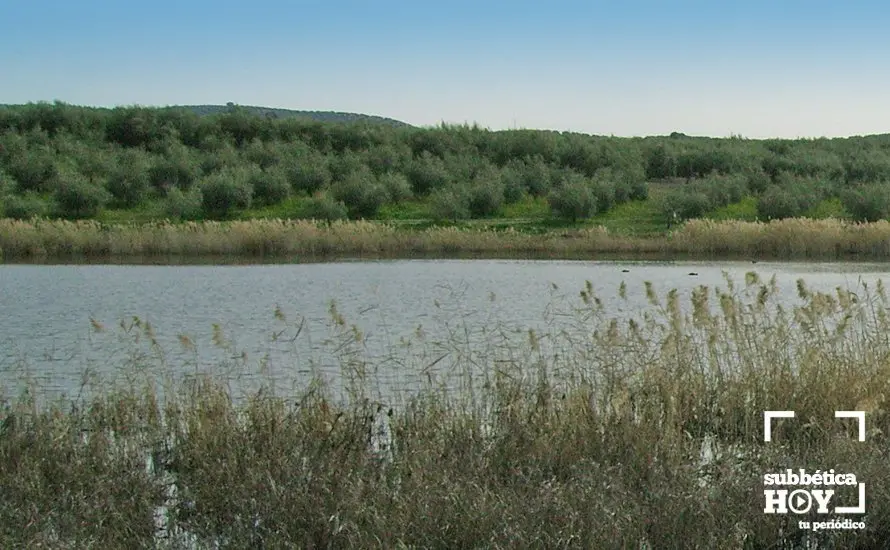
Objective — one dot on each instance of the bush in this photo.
(659, 163)
(264, 154)
(179, 205)
(388, 158)
(427, 174)
(360, 191)
(324, 208)
(485, 192)
(24, 207)
(77, 198)
(397, 186)
(867, 203)
(756, 180)
(34, 170)
(777, 203)
(341, 166)
(512, 181)
(225, 156)
(128, 180)
(177, 167)
(573, 199)
(449, 204)
(686, 204)
(307, 173)
(225, 191)
(270, 186)
(536, 176)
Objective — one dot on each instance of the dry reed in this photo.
(644, 434)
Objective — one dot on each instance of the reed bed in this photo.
(643, 434)
(284, 238)
(828, 239)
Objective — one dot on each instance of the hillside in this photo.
(273, 113)
(142, 163)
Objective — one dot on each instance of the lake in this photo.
(62, 324)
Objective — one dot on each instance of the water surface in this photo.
(52, 313)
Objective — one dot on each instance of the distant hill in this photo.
(269, 112)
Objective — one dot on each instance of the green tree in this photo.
(324, 208)
(867, 202)
(449, 204)
(270, 185)
(77, 198)
(129, 178)
(426, 174)
(225, 191)
(573, 199)
(360, 191)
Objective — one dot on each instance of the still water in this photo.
(62, 324)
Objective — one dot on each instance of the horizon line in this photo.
(433, 126)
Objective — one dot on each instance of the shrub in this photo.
(686, 204)
(756, 180)
(397, 186)
(325, 208)
(179, 205)
(427, 174)
(128, 180)
(34, 170)
(573, 199)
(27, 206)
(342, 165)
(485, 193)
(307, 173)
(537, 176)
(388, 158)
(360, 191)
(512, 181)
(778, 203)
(225, 156)
(264, 154)
(225, 191)
(659, 163)
(449, 204)
(78, 198)
(868, 203)
(270, 186)
(177, 167)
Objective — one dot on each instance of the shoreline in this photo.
(41, 241)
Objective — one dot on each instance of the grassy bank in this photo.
(827, 239)
(644, 435)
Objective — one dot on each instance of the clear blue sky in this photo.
(757, 68)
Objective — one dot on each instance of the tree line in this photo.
(70, 161)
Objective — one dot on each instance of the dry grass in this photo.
(287, 238)
(827, 239)
(565, 442)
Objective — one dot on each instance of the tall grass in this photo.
(647, 433)
(824, 239)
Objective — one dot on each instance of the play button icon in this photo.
(800, 501)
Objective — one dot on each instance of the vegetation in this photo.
(643, 433)
(330, 235)
(133, 165)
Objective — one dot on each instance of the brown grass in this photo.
(573, 443)
(827, 239)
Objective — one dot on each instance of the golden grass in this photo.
(592, 442)
(826, 239)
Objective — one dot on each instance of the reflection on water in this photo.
(61, 322)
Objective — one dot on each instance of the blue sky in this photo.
(757, 68)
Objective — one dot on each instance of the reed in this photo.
(827, 239)
(645, 433)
